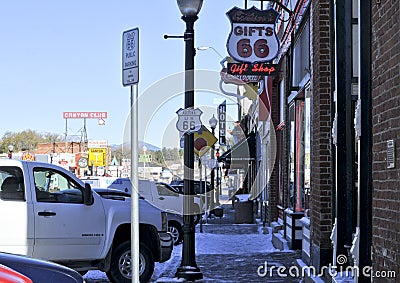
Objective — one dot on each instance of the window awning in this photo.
(241, 153)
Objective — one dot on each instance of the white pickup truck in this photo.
(48, 213)
(159, 194)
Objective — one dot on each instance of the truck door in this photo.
(168, 198)
(16, 225)
(65, 228)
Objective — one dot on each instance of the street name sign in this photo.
(130, 57)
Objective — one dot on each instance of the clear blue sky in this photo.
(58, 56)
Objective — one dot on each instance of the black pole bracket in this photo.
(166, 36)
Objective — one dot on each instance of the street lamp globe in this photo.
(213, 122)
(189, 7)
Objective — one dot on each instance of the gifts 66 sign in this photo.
(253, 37)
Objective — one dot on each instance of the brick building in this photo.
(333, 190)
(385, 81)
(60, 147)
(328, 154)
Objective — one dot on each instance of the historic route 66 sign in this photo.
(253, 38)
(189, 120)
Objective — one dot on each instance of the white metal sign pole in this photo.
(130, 77)
(134, 181)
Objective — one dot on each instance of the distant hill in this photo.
(150, 147)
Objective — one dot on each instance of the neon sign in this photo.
(257, 69)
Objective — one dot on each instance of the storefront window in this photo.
(299, 155)
(307, 149)
(299, 159)
(291, 155)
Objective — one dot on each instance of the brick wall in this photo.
(279, 179)
(386, 126)
(274, 179)
(59, 147)
(321, 155)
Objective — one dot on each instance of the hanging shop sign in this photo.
(253, 37)
(256, 69)
(222, 123)
(238, 79)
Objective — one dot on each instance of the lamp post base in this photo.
(190, 273)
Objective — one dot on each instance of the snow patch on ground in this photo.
(233, 244)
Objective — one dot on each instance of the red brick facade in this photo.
(386, 126)
(321, 203)
(60, 147)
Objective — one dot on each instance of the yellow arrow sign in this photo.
(203, 141)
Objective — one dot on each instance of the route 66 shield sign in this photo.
(253, 37)
(189, 120)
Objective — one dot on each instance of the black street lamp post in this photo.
(213, 124)
(188, 268)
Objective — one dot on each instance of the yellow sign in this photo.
(29, 156)
(97, 157)
(203, 141)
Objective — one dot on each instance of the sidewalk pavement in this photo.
(248, 265)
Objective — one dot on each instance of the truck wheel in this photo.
(197, 215)
(176, 231)
(146, 263)
(197, 218)
(121, 269)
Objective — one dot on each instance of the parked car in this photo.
(8, 275)
(39, 207)
(198, 186)
(175, 224)
(40, 271)
(169, 198)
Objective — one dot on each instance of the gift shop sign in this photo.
(253, 38)
(260, 69)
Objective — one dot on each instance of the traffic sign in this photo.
(82, 162)
(212, 163)
(97, 157)
(203, 141)
(189, 120)
(130, 57)
(145, 158)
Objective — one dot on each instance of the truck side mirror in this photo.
(87, 195)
